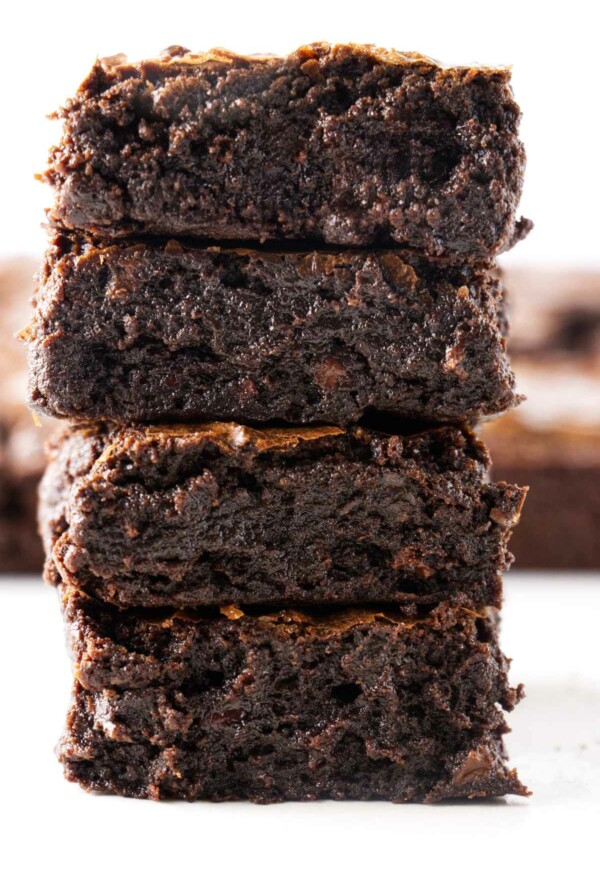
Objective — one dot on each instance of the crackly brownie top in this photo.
(95, 619)
(176, 59)
(228, 437)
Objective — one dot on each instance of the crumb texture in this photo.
(166, 332)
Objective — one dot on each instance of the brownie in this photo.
(21, 440)
(555, 315)
(552, 442)
(221, 513)
(345, 145)
(168, 332)
(240, 704)
(553, 446)
(20, 545)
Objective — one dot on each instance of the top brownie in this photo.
(347, 145)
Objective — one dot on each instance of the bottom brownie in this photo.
(354, 704)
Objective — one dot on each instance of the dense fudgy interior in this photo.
(345, 145)
(360, 704)
(166, 332)
(223, 513)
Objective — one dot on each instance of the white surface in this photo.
(58, 839)
(48, 48)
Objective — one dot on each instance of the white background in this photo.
(48, 48)
(58, 839)
(54, 838)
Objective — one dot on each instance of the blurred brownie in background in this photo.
(552, 441)
(21, 440)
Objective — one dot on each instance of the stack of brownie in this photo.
(271, 313)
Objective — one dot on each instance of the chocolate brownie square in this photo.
(221, 513)
(365, 703)
(552, 442)
(169, 332)
(21, 441)
(346, 145)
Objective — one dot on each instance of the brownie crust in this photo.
(222, 513)
(345, 145)
(168, 332)
(358, 704)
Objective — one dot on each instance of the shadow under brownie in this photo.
(222, 513)
(164, 332)
(268, 706)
